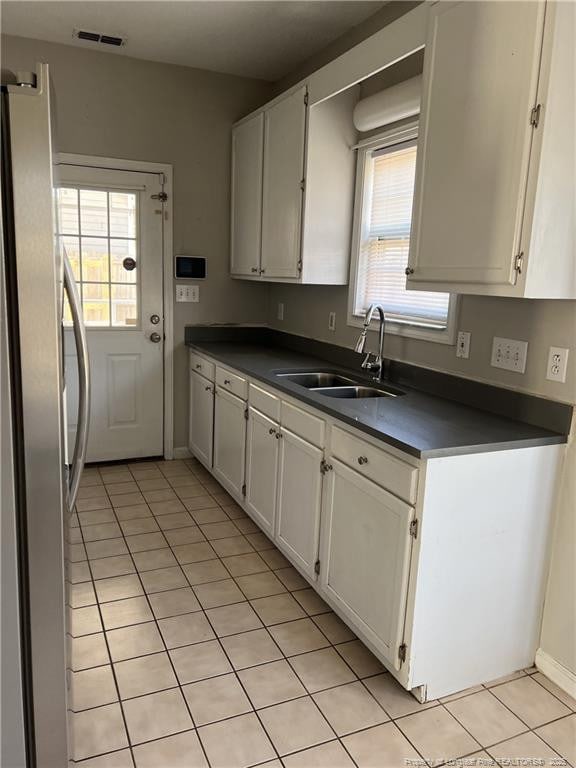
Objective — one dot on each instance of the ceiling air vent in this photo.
(96, 37)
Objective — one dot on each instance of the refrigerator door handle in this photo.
(79, 329)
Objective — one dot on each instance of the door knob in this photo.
(155, 337)
(154, 319)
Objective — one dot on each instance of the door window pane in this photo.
(122, 214)
(95, 260)
(120, 250)
(93, 212)
(124, 305)
(98, 230)
(96, 303)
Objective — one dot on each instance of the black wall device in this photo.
(190, 268)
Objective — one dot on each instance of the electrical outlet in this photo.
(188, 293)
(557, 364)
(509, 354)
(463, 344)
(332, 321)
(280, 314)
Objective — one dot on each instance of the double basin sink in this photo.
(335, 385)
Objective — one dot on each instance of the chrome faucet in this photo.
(375, 366)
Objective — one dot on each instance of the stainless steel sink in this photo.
(317, 379)
(355, 392)
(335, 385)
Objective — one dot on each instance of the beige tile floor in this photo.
(194, 643)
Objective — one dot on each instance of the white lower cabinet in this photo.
(201, 418)
(365, 555)
(229, 440)
(299, 500)
(262, 451)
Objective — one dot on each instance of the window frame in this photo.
(388, 139)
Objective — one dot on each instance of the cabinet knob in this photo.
(227, 382)
(362, 460)
(271, 431)
(254, 269)
(208, 389)
(278, 435)
(408, 271)
(198, 366)
(262, 271)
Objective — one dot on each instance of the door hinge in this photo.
(302, 184)
(246, 413)
(317, 567)
(306, 98)
(244, 489)
(535, 115)
(325, 467)
(162, 196)
(402, 650)
(519, 262)
(414, 529)
(299, 265)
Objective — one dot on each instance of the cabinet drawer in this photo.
(264, 401)
(199, 364)
(232, 382)
(303, 424)
(385, 470)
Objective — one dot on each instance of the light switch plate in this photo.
(463, 344)
(557, 364)
(188, 293)
(509, 354)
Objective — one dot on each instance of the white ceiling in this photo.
(256, 38)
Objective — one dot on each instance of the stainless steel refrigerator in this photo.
(38, 488)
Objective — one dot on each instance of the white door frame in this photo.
(90, 161)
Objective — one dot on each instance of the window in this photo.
(383, 211)
(97, 229)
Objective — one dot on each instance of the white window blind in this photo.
(383, 257)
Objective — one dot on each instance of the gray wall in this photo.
(114, 106)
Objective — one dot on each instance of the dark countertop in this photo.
(421, 424)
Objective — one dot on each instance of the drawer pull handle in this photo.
(362, 460)
(271, 431)
(227, 382)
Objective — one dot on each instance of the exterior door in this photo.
(299, 500)
(480, 85)
(111, 228)
(262, 469)
(201, 426)
(247, 146)
(229, 441)
(365, 555)
(284, 137)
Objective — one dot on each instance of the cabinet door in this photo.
(480, 83)
(284, 135)
(247, 148)
(229, 441)
(201, 418)
(262, 469)
(365, 555)
(299, 500)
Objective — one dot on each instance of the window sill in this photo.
(445, 336)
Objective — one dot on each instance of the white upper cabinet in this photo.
(283, 183)
(306, 170)
(490, 71)
(247, 148)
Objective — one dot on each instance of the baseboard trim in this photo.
(182, 453)
(556, 672)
